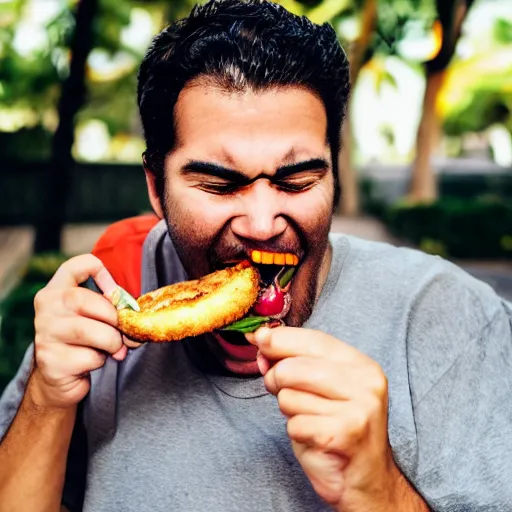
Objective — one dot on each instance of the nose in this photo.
(260, 217)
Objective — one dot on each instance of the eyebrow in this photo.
(282, 172)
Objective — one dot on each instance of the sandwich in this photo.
(238, 298)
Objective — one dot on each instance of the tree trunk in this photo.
(59, 179)
(423, 187)
(349, 204)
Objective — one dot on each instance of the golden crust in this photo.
(194, 307)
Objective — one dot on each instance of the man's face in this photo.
(251, 171)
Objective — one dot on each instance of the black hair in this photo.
(240, 44)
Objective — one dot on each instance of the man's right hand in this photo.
(75, 333)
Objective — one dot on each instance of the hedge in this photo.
(472, 228)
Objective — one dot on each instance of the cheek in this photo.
(313, 209)
(196, 217)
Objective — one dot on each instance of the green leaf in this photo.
(247, 324)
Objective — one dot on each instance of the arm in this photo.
(407, 498)
(33, 455)
(75, 332)
(335, 400)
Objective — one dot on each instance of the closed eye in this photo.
(219, 188)
(291, 186)
(294, 187)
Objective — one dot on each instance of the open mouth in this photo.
(276, 272)
(270, 264)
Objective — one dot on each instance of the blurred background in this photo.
(427, 161)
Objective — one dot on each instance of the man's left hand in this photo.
(336, 402)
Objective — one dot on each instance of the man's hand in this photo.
(75, 333)
(336, 402)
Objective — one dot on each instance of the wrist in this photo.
(405, 498)
(38, 398)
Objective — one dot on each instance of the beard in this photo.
(201, 253)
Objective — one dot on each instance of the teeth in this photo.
(280, 259)
(267, 258)
(274, 258)
(290, 259)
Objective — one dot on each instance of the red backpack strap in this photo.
(120, 250)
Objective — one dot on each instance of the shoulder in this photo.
(438, 309)
(421, 277)
(120, 250)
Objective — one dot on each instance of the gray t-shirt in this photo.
(160, 433)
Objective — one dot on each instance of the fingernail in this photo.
(120, 354)
(121, 299)
(261, 336)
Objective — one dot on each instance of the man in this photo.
(389, 389)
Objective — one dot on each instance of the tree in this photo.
(58, 184)
(358, 56)
(382, 26)
(451, 14)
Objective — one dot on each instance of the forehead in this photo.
(250, 129)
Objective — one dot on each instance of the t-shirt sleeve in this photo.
(460, 361)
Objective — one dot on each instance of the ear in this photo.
(153, 194)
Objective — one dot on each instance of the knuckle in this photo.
(39, 341)
(280, 373)
(38, 300)
(324, 440)
(42, 356)
(72, 299)
(293, 428)
(81, 260)
(78, 333)
(380, 384)
(96, 359)
(360, 424)
(39, 327)
(115, 341)
(375, 407)
(283, 399)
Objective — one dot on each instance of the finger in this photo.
(282, 342)
(318, 376)
(132, 343)
(76, 270)
(79, 330)
(121, 353)
(86, 303)
(67, 362)
(325, 471)
(293, 402)
(263, 363)
(340, 433)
